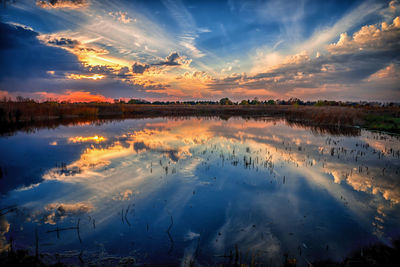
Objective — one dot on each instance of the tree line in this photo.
(224, 101)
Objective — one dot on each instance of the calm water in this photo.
(182, 190)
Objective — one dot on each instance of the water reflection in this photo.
(80, 139)
(162, 190)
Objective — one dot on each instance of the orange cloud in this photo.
(392, 72)
(72, 96)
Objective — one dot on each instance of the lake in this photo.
(197, 190)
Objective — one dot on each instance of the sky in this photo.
(88, 50)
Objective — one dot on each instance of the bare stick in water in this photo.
(169, 235)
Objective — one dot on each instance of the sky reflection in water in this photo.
(177, 190)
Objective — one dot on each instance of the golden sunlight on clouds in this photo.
(84, 48)
(90, 162)
(80, 139)
(81, 76)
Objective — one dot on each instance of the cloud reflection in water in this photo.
(261, 185)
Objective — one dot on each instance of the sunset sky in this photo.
(78, 50)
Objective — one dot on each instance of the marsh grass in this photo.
(21, 114)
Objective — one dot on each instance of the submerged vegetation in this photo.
(372, 116)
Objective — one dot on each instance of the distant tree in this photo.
(244, 102)
(255, 101)
(294, 101)
(271, 102)
(225, 101)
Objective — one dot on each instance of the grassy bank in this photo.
(374, 118)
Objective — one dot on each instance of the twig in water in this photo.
(77, 230)
(169, 235)
(126, 212)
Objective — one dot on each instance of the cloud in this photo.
(369, 38)
(66, 42)
(171, 60)
(82, 76)
(394, 5)
(139, 68)
(69, 4)
(326, 34)
(346, 64)
(22, 55)
(198, 76)
(390, 72)
(84, 49)
(187, 25)
(56, 212)
(46, 68)
(82, 139)
(121, 16)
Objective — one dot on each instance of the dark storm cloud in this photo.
(170, 60)
(22, 55)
